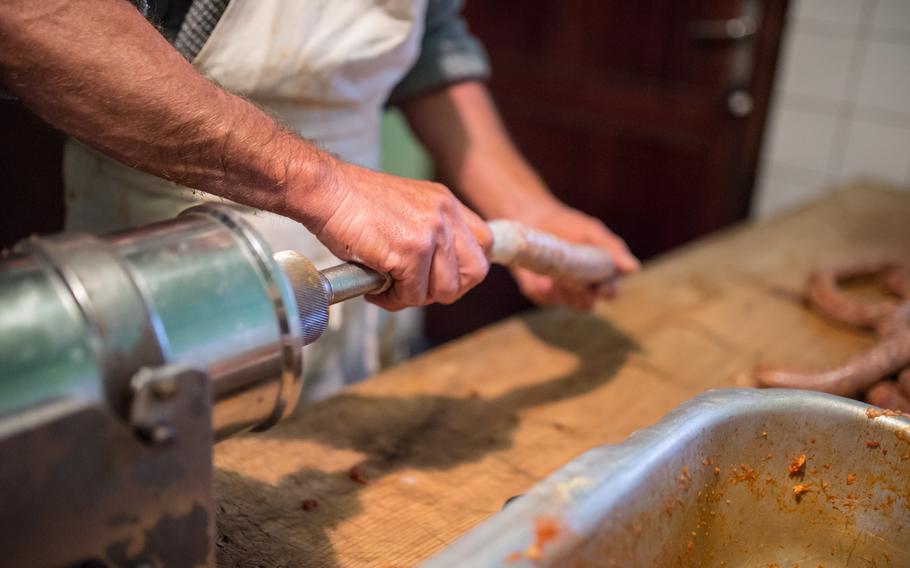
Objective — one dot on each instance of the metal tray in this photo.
(709, 485)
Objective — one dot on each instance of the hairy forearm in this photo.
(460, 127)
(98, 71)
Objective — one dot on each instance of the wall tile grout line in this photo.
(881, 116)
(854, 76)
(821, 28)
(811, 104)
(887, 35)
(794, 172)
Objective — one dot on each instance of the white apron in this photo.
(324, 68)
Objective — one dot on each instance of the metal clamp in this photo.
(154, 406)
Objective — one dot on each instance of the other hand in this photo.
(574, 226)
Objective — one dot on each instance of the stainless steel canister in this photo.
(80, 316)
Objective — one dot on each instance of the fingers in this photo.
(417, 231)
(478, 228)
(410, 281)
(624, 259)
(607, 290)
(535, 287)
(580, 299)
(599, 234)
(460, 260)
(444, 281)
(544, 291)
(471, 253)
(450, 265)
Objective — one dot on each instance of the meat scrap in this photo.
(546, 529)
(513, 557)
(867, 373)
(873, 412)
(684, 479)
(356, 475)
(743, 473)
(798, 465)
(801, 488)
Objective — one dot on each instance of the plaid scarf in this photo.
(192, 29)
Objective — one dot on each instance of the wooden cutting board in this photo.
(439, 443)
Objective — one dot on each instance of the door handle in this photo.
(733, 29)
(741, 33)
(740, 103)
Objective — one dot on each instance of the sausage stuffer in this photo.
(124, 358)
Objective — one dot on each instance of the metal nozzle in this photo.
(315, 291)
(350, 280)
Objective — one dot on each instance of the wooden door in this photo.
(645, 113)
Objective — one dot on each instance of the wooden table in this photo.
(445, 439)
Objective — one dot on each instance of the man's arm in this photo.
(98, 71)
(462, 130)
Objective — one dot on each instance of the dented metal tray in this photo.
(710, 485)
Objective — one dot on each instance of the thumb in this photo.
(479, 229)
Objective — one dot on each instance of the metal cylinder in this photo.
(310, 294)
(315, 291)
(349, 280)
(80, 316)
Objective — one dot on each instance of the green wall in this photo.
(402, 155)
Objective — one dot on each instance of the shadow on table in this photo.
(421, 432)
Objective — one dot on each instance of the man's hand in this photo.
(573, 226)
(433, 246)
(461, 128)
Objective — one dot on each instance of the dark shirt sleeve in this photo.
(449, 53)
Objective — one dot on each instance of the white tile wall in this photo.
(846, 12)
(890, 14)
(841, 108)
(885, 77)
(816, 65)
(802, 138)
(785, 190)
(877, 150)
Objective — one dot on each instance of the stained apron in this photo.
(324, 68)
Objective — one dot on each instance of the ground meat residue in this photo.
(546, 529)
(513, 557)
(798, 465)
(356, 475)
(872, 413)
